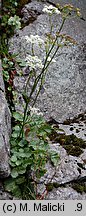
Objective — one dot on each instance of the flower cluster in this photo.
(51, 10)
(35, 111)
(15, 21)
(34, 39)
(34, 62)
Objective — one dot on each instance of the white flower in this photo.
(35, 111)
(51, 10)
(34, 39)
(34, 62)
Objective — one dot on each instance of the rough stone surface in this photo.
(5, 130)
(31, 11)
(67, 168)
(79, 129)
(67, 193)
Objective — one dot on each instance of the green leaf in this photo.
(46, 128)
(16, 128)
(17, 192)
(13, 158)
(10, 185)
(21, 154)
(20, 180)
(21, 150)
(22, 143)
(15, 134)
(18, 162)
(13, 142)
(27, 162)
(14, 173)
(18, 116)
(28, 155)
(22, 171)
(54, 157)
(10, 63)
(42, 133)
(9, 88)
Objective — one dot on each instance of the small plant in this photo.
(30, 150)
(29, 154)
(50, 46)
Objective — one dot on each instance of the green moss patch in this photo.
(50, 186)
(79, 187)
(73, 145)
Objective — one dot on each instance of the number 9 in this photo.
(79, 206)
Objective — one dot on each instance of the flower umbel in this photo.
(34, 62)
(51, 10)
(34, 39)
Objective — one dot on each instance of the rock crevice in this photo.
(5, 130)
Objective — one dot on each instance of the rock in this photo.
(5, 196)
(78, 129)
(5, 131)
(66, 193)
(68, 168)
(31, 11)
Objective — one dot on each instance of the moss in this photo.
(76, 119)
(80, 188)
(53, 135)
(73, 145)
(56, 185)
(73, 150)
(49, 186)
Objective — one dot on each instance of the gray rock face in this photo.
(67, 172)
(5, 130)
(31, 11)
(67, 168)
(67, 193)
